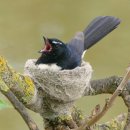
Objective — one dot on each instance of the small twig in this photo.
(18, 106)
(108, 104)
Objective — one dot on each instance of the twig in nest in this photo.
(19, 107)
(108, 103)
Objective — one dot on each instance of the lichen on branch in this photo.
(22, 86)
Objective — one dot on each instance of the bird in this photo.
(67, 56)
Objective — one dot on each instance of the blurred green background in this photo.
(24, 22)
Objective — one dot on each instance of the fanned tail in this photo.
(99, 28)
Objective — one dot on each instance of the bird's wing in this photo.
(99, 28)
(77, 43)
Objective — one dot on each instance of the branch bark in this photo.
(18, 106)
(108, 103)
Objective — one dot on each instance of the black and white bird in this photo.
(69, 56)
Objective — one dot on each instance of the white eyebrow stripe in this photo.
(56, 42)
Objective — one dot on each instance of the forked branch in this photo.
(108, 103)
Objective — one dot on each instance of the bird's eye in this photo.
(56, 46)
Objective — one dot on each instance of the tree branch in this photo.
(18, 106)
(105, 85)
(108, 103)
(21, 86)
(25, 89)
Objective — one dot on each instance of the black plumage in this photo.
(69, 56)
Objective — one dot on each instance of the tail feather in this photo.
(99, 28)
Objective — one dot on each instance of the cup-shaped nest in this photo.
(62, 85)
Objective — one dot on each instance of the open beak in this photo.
(45, 39)
(47, 47)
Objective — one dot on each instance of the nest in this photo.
(61, 85)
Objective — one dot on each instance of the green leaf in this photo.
(3, 105)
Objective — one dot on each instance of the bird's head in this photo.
(53, 47)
